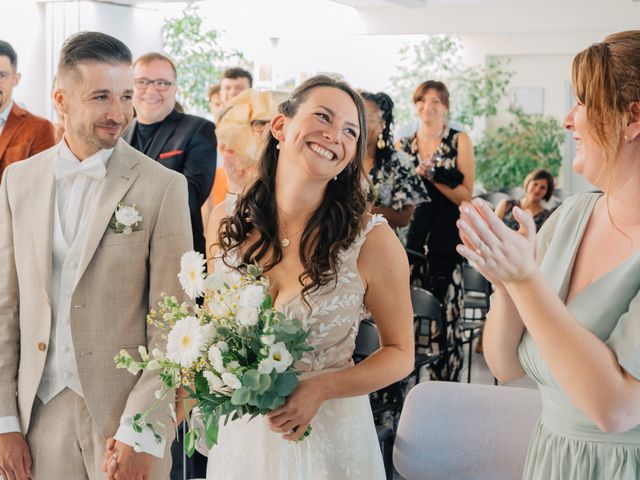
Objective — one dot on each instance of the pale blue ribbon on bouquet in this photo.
(304, 470)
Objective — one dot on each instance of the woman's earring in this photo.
(278, 146)
(335, 178)
(381, 143)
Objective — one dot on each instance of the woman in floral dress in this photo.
(444, 159)
(397, 188)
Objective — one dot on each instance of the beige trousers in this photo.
(66, 444)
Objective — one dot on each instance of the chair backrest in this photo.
(427, 309)
(465, 431)
(473, 281)
(367, 340)
(424, 303)
(494, 198)
(515, 193)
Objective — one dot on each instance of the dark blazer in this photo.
(186, 144)
(24, 135)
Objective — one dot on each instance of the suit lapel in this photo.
(14, 122)
(120, 176)
(43, 202)
(166, 129)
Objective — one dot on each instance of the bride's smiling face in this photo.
(322, 137)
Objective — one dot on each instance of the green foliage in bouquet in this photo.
(234, 356)
(504, 158)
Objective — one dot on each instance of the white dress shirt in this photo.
(77, 184)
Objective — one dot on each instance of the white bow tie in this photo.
(65, 167)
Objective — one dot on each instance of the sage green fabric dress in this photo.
(566, 445)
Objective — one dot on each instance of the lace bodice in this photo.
(335, 311)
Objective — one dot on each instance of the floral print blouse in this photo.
(396, 183)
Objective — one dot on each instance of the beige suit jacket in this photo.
(120, 277)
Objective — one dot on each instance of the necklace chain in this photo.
(285, 242)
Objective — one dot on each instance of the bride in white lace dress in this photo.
(305, 221)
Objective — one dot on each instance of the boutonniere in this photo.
(125, 219)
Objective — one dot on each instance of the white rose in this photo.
(247, 316)
(127, 216)
(214, 381)
(280, 356)
(215, 357)
(252, 296)
(231, 380)
(268, 339)
(265, 366)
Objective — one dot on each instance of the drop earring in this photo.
(381, 143)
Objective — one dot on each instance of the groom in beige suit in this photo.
(74, 290)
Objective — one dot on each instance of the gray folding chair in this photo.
(462, 431)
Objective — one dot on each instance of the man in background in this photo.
(234, 81)
(180, 142)
(22, 134)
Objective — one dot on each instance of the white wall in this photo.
(538, 60)
(38, 29)
(24, 29)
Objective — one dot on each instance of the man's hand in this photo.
(131, 464)
(110, 459)
(15, 458)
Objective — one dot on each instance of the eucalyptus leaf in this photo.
(240, 396)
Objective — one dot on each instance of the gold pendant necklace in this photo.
(285, 242)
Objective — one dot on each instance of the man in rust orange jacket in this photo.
(22, 134)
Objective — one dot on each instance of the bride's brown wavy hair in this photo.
(333, 226)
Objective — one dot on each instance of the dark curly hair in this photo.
(333, 226)
(385, 104)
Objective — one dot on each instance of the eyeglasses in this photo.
(4, 74)
(161, 85)
(257, 126)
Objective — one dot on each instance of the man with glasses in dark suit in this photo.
(181, 142)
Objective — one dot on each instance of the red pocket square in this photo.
(170, 154)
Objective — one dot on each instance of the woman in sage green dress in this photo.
(571, 320)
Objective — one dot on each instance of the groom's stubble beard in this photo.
(90, 136)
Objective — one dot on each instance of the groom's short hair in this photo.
(89, 47)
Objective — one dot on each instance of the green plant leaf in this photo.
(285, 383)
(211, 430)
(240, 396)
(190, 443)
(251, 379)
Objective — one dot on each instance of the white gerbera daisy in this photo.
(192, 274)
(186, 341)
(280, 357)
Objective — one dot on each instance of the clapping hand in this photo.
(500, 254)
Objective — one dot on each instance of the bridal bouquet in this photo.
(234, 355)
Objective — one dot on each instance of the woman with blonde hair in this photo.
(571, 320)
